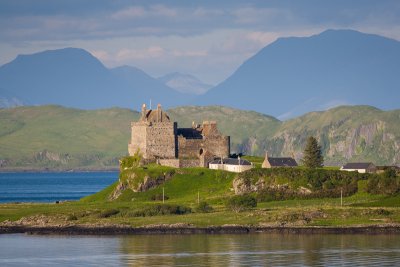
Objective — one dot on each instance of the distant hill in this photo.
(73, 77)
(185, 83)
(56, 137)
(293, 76)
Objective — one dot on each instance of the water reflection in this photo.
(260, 249)
(200, 250)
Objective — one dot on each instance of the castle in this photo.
(159, 140)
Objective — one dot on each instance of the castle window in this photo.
(201, 152)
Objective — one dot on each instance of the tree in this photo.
(312, 154)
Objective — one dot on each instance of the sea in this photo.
(258, 249)
(52, 186)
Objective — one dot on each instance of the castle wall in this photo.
(154, 140)
(175, 163)
(188, 163)
(138, 139)
(156, 137)
(204, 149)
(189, 148)
(160, 140)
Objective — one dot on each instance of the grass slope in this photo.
(214, 187)
(62, 138)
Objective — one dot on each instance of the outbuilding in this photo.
(231, 164)
(361, 167)
(270, 162)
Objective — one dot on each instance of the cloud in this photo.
(140, 12)
(262, 37)
(129, 13)
(251, 15)
(147, 53)
(102, 55)
(209, 38)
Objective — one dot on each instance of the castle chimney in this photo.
(159, 116)
(144, 110)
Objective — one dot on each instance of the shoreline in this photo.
(171, 229)
(57, 171)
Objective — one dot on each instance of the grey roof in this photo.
(358, 165)
(189, 133)
(231, 161)
(282, 162)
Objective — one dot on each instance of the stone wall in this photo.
(187, 163)
(154, 140)
(193, 148)
(138, 139)
(169, 162)
(190, 148)
(160, 140)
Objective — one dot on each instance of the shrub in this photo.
(204, 207)
(131, 161)
(241, 202)
(163, 209)
(385, 183)
(158, 197)
(108, 213)
(72, 217)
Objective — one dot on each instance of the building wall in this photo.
(138, 139)
(231, 168)
(160, 140)
(169, 162)
(154, 140)
(204, 149)
(155, 136)
(354, 170)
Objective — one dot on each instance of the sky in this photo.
(208, 39)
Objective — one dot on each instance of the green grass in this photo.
(214, 187)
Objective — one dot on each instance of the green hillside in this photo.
(59, 137)
(283, 197)
(56, 137)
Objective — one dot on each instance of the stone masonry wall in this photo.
(138, 139)
(160, 140)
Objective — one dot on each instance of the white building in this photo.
(231, 165)
(361, 167)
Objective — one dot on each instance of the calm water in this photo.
(49, 187)
(201, 250)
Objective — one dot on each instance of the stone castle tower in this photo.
(160, 140)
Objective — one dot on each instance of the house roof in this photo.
(231, 161)
(358, 165)
(282, 162)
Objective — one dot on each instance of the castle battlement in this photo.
(157, 138)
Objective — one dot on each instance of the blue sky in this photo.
(209, 39)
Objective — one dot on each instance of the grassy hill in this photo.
(59, 137)
(56, 137)
(278, 203)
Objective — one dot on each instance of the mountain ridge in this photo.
(294, 75)
(60, 138)
(75, 78)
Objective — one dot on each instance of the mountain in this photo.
(9, 100)
(185, 83)
(73, 77)
(293, 76)
(57, 138)
(346, 133)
